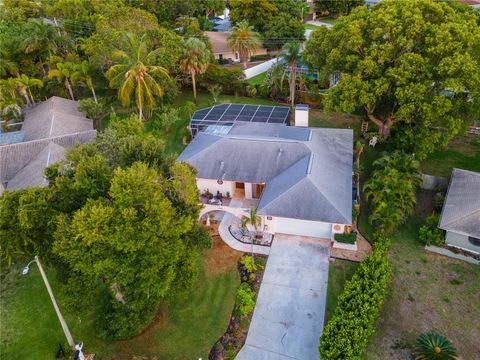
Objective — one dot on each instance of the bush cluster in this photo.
(346, 335)
(346, 238)
(245, 299)
(430, 234)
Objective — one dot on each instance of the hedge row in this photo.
(346, 335)
(346, 238)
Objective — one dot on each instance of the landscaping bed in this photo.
(251, 274)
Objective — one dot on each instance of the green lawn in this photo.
(310, 27)
(427, 292)
(339, 272)
(186, 329)
(258, 79)
(462, 152)
(328, 20)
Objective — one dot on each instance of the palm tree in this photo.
(431, 346)
(392, 188)
(136, 73)
(41, 39)
(25, 85)
(291, 55)
(195, 60)
(7, 66)
(244, 40)
(253, 220)
(81, 73)
(63, 73)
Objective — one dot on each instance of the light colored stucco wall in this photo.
(212, 186)
(248, 191)
(298, 227)
(461, 241)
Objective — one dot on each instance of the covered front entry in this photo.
(303, 228)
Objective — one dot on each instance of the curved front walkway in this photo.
(226, 236)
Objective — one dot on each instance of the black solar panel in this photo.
(227, 114)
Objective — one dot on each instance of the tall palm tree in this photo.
(7, 66)
(81, 73)
(63, 73)
(25, 84)
(136, 72)
(243, 39)
(291, 55)
(253, 220)
(195, 60)
(41, 39)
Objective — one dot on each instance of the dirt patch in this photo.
(424, 206)
(221, 256)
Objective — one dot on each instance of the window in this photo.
(220, 56)
(474, 241)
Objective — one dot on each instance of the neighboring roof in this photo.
(48, 129)
(219, 42)
(222, 25)
(54, 117)
(32, 174)
(307, 171)
(461, 210)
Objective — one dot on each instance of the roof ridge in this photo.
(285, 192)
(461, 217)
(327, 198)
(291, 187)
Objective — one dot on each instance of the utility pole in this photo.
(55, 305)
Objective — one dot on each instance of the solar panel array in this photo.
(228, 114)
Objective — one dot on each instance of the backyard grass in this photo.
(427, 292)
(463, 152)
(186, 328)
(310, 27)
(258, 79)
(339, 272)
(318, 118)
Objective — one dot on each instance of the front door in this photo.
(257, 190)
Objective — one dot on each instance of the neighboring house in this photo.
(220, 48)
(460, 216)
(312, 10)
(299, 179)
(48, 130)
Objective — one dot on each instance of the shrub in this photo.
(346, 335)
(245, 299)
(346, 238)
(251, 90)
(231, 79)
(430, 234)
(250, 264)
(260, 57)
(431, 346)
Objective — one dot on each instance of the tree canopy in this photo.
(118, 221)
(412, 65)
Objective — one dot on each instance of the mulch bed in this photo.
(227, 347)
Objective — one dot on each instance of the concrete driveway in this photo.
(289, 313)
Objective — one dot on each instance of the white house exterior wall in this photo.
(248, 191)
(213, 186)
(299, 227)
(461, 241)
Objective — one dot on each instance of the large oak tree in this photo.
(413, 65)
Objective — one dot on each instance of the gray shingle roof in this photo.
(32, 174)
(307, 171)
(461, 210)
(54, 117)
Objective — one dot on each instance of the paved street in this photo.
(289, 313)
